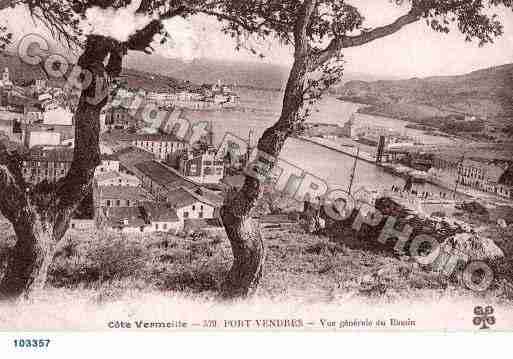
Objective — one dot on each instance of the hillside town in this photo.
(149, 180)
(209, 165)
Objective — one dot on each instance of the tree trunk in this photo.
(243, 231)
(248, 252)
(41, 214)
(28, 264)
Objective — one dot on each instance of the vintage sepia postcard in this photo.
(256, 165)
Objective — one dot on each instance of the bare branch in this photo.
(344, 42)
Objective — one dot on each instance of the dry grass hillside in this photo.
(95, 270)
(484, 93)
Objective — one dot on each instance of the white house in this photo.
(161, 217)
(121, 196)
(109, 163)
(114, 178)
(191, 204)
(44, 138)
(6, 80)
(147, 218)
(162, 146)
(202, 167)
(58, 116)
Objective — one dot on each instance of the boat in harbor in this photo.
(406, 172)
(418, 176)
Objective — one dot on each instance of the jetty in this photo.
(364, 156)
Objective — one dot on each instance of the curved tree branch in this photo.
(343, 42)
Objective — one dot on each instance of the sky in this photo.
(414, 51)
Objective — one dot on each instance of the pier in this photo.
(461, 193)
(366, 157)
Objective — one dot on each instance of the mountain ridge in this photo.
(484, 93)
(255, 74)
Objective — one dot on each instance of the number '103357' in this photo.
(31, 343)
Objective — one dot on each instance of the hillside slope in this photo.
(23, 73)
(485, 93)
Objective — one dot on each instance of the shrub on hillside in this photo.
(179, 264)
(104, 259)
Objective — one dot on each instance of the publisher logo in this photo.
(484, 317)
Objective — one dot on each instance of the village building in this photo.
(121, 196)
(46, 163)
(159, 179)
(189, 199)
(121, 118)
(162, 217)
(109, 163)
(450, 171)
(82, 224)
(124, 220)
(46, 135)
(11, 125)
(41, 138)
(38, 86)
(202, 167)
(6, 82)
(51, 164)
(57, 116)
(128, 157)
(146, 218)
(114, 178)
(161, 145)
(191, 204)
(33, 113)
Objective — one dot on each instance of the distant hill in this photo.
(151, 81)
(486, 93)
(248, 74)
(23, 73)
(257, 75)
(154, 72)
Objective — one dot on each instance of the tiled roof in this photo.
(67, 132)
(149, 137)
(236, 181)
(107, 176)
(116, 216)
(50, 154)
(143, 215)
(183, 197)
(212, 197)
(131, 151)
(164, 176)
(124, 192)
(160, 212)
(181, 191)
(129, 157)
(109, 157)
